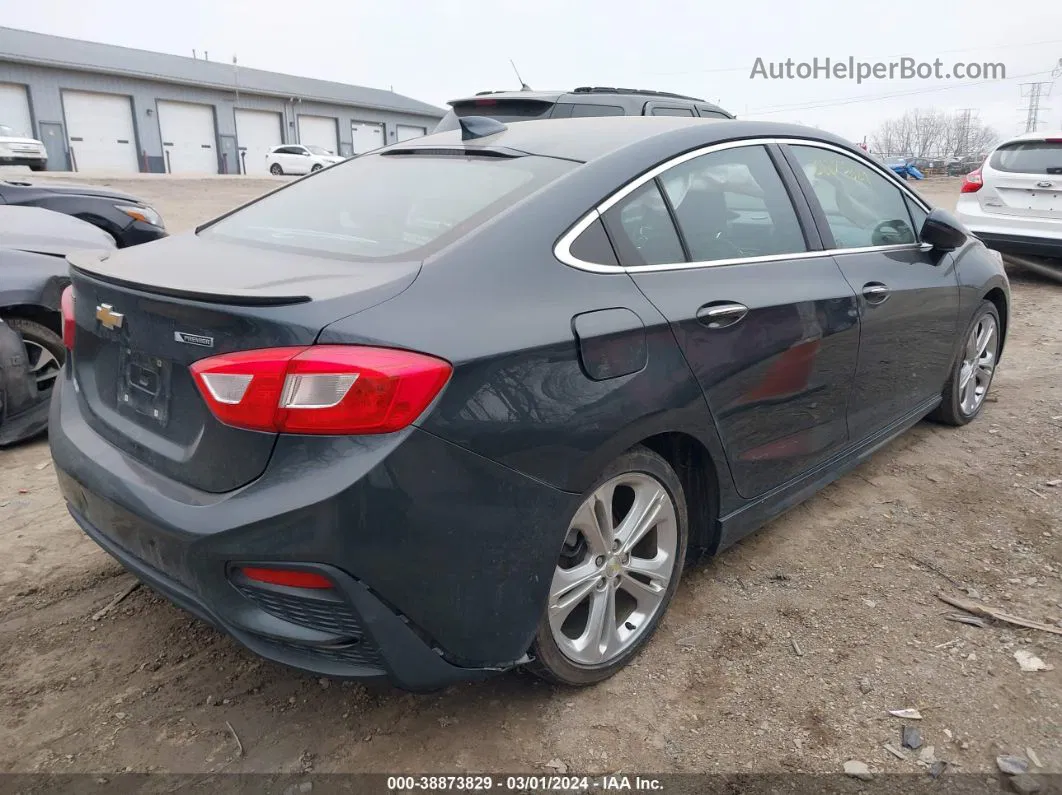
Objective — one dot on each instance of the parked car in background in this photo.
(511, 106)
(33, 273)
(1014, 201)
(356, 427)
(904, 167)
(299, 159)
(18, 150)
(962, 166)
(127, 219)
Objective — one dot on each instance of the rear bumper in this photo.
(1010, 234)
(441, 559)
(1019, 244)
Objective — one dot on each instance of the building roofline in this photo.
(25, 47)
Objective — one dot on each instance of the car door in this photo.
(908, 293)
(766, 322)
(299, 159)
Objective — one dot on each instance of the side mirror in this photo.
(943, 231)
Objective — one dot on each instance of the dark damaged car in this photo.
(33, 273)
(470, 402)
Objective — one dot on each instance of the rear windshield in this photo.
(1029, 157)
(503, 110)
(388, 207)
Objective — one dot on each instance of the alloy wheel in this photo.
(43, 365)
(979, 364)
(613, 574)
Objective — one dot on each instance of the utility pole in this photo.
(1034, 92)
(962, 137)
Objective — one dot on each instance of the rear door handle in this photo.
(720, 314)
(875, 292)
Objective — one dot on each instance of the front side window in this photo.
(862, 207)
(380, 207)
(732, 204)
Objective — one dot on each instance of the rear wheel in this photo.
(967, 387)
(276, 170)
(44, 349)
(616, 574)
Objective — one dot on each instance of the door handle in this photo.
(721, 314)
(875, 292)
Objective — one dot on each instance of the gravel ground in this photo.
(783, 654)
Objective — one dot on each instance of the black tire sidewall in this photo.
(550, 662)
(986, 308)
(279, 172)
(35, 332)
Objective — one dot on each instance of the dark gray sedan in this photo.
(468, 402)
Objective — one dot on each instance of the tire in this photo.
(276, 170)
(639, 474)
(954, 410)
(45, 350)
(316, 167)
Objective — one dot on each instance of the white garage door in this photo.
(100, 129)
(188, 140)
(366, 136)
(318, 131)
(257, 131)
(407, 131)
(14, 109)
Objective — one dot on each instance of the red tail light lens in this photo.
(323, 389)
(973, 182)
(66, 305)
(289, 577)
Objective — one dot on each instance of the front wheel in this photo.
(316, 167)
(967, 386)
(617, 571)
(276, 170)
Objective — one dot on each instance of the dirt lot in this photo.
(784, 654)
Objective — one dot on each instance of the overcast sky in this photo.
(435, 50)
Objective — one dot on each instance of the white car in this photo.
(17, 150)
(1014, 201)
(299, 159)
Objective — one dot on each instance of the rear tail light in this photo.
(323, 389)
(292, 578)
(973, 182)
(66, 304)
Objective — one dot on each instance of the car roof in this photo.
(1032, 136)
(581, 91)
(587, 139)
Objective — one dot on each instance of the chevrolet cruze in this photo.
(470, 402)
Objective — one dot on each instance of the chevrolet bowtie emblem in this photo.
(107, 316)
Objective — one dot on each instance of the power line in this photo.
(771, 109)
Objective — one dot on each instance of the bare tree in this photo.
(932, 133)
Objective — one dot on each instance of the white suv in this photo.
(1014, 201)
(299, 159)
(17, 150)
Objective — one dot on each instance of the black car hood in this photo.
(69, 189)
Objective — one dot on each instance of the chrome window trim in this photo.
(562, 249)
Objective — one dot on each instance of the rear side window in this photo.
(381, 207)
(732, 204)
(1029, 157)
(658, 111)
(641, 228)
(581, 110)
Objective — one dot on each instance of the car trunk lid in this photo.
(1025, 179)
(145, 314)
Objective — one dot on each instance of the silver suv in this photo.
(510, 106)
